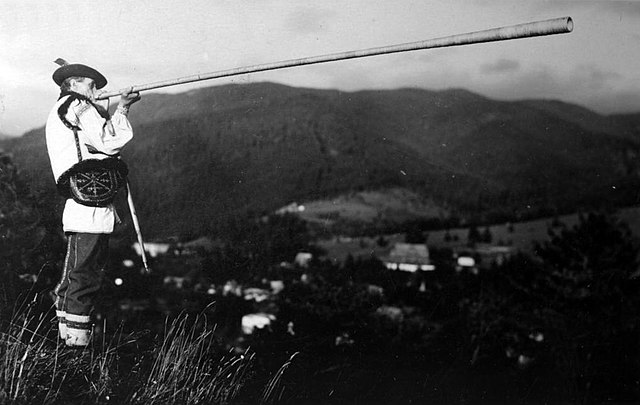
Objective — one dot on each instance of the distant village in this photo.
(396, 256)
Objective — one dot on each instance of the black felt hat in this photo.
(77, 69)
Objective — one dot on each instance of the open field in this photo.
(520, 235)
(392, 204)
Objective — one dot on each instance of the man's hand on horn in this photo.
(128, 97)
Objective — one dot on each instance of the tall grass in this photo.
(183, 366)
(27, 362)
(183, 370)
(36, 367)
(274, 390)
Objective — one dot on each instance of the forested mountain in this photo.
(201, 157)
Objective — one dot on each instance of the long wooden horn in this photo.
(534, 29)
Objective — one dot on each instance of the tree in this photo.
(574, 306)
(486, 236)
(381, 241)
(591, 280)
(20, 231)
(414, 233)
(473, 236)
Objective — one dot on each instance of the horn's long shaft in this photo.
(533, 29)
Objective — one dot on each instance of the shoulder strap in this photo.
(75, 135)
(64, 107)
(62, 112)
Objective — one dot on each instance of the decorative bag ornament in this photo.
(94, 182)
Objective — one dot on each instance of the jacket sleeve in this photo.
(106, 136)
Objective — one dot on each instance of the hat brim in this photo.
(79, 70)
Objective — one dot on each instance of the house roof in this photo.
(409, 253)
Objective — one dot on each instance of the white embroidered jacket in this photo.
(96, 134)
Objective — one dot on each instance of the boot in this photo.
(62, 324)
(79, 330)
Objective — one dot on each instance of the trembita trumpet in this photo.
(533, 29)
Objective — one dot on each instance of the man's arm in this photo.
(127, 98)
(108, 136)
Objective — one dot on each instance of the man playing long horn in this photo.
(84, 142)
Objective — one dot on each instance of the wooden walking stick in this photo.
(533, 29)
(136, 226)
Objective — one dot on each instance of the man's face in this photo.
(84, 86)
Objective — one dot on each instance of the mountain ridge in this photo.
(201, 157)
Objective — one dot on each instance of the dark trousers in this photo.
(87, 255)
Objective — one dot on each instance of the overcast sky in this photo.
(136, 42)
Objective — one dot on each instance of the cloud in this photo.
(500, 66)
(594, 78)
(601, 90)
